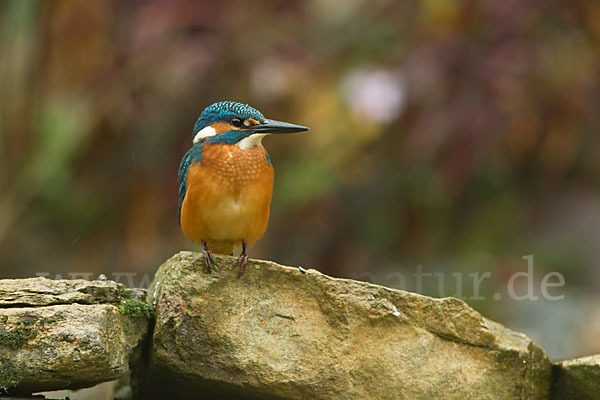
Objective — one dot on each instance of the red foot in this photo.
(207, 256)
(243, 259)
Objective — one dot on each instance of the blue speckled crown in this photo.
(223, 112)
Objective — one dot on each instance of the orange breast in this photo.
(228, 197)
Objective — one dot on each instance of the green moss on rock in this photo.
(9, 375)
(21, 331)
(136, 308)
(15, 334)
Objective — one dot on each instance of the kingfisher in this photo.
(226, 180)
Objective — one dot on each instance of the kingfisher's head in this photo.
(231, 122)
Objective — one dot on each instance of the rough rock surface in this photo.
(65, 334)
(281, 333)
(577, 379)
(35, 292)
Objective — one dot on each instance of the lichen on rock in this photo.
(10, 374)
(21, 331)
(49, 340)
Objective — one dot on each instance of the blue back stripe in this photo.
(193, 155)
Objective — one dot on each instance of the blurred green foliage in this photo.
(459, 136)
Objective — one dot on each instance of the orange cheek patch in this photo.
(221, 127)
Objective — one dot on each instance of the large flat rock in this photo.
(65, 334)
(281, 333)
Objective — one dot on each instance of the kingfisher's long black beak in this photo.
(272, 126)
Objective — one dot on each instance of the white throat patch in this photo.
(252, 140)
(204, 133)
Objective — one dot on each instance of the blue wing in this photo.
(193, 155)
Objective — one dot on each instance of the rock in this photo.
(577, 379)
(34, 292)
(280, 333)
(66, 334)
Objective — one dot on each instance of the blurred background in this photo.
(451, 137)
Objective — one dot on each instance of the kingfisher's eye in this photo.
(236, 122)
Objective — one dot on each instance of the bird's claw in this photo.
(243, 260)
(207, 256)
